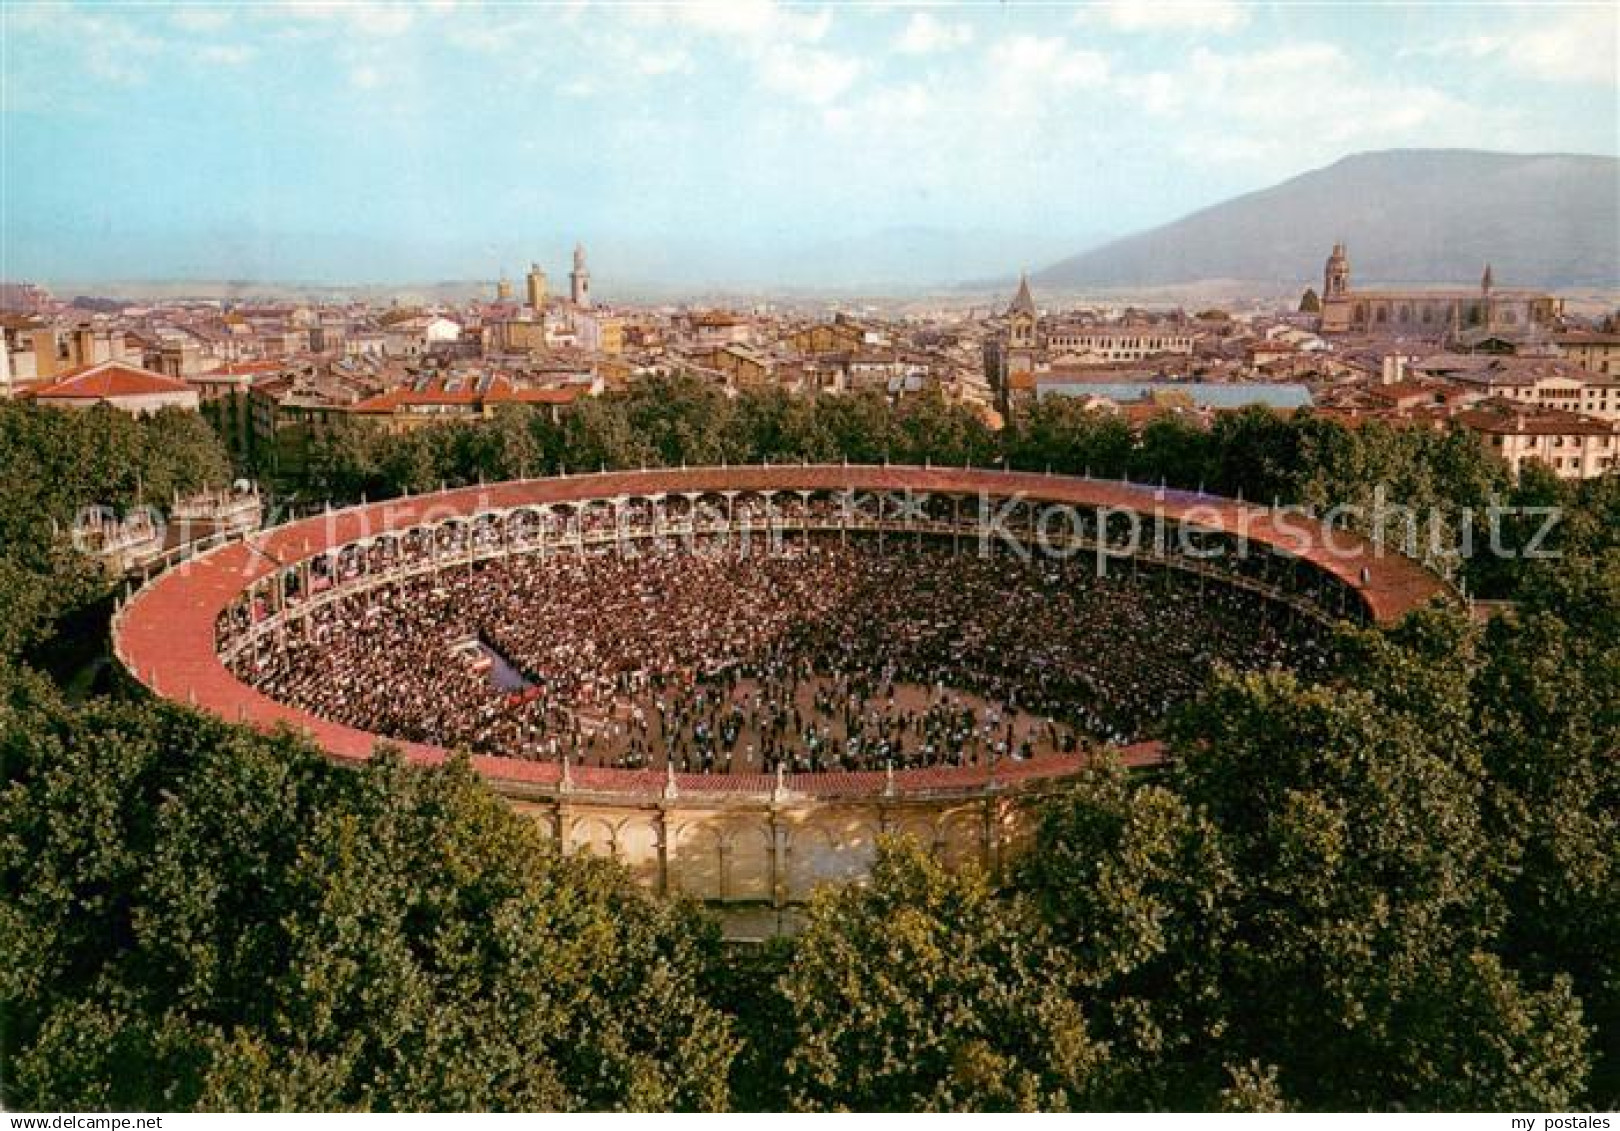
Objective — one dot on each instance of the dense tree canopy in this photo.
(197, 916)
(53, 465)
(925, 992)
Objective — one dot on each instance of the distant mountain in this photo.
(624, 267)
(1405, 215)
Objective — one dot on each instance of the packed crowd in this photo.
(827, 656)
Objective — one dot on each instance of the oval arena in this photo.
(735, 679)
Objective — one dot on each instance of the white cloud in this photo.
(1031, 62)
(378, 20)
(807, 74)
(225, 54)
(200, 19)
(1168, 15)
(1309, 102)
(780, 45)
(654, 61)
(754, 20)
(1156, 92)
(925, 34)
(908, 110)
(115, 50)
(484, 38)
(365, 77)
(1578, 45)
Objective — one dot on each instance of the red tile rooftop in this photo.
(108, 379)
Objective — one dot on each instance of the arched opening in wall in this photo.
(829, 849)
(826, 508)
(415, 544)
(593, 835)
(349, 564)
(922, 829)
(961, 833)
(711, 512)
(677, 508)
(486, 532)
(636, 843)
(750, 871)
(451, 537)
(694, 860)
(523, 526)
(638, 516)
(753, 509)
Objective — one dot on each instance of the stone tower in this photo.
(536, 285)
(1335, 308)
(1336, 276)
(1022, 318)
(579, 279)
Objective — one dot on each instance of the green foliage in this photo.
(1062, 434)
(924, 992)
(53, 464)
(1131, 881)
(196, 916)
(1547, 711)
(1364, 878)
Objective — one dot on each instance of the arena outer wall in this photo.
(754, 844)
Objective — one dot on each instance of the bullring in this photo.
(754, 843)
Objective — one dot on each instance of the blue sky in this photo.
(375, 142)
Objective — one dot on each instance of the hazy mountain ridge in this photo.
(893, 261)
(1422, 215)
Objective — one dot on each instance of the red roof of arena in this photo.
(165, 635)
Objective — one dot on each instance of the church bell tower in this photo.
(1336, 276)
(579, 279)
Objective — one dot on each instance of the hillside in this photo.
(1408, 216)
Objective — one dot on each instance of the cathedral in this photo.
(1427, 312)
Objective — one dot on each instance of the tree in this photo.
(198, 916)
(59, 463)
(685, 421)
(1062, 434)
(1255, 454)
(930, 429)
(923, 991)
(860, 425)
(1365, 915)
(1174, 451)
(1131, 882)
(598, 434)
(342, 461)
(1547, 711)
(778, 425)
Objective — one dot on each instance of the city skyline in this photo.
(354, 143)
